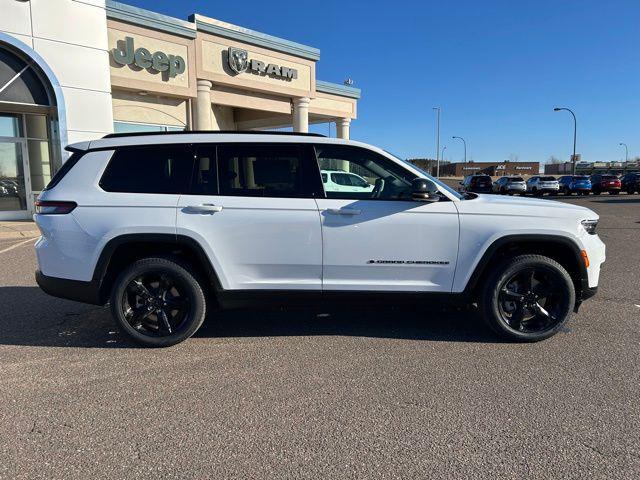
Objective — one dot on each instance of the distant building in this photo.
(463, 169)
(589, 168)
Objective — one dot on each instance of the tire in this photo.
(176, 286)
(501, 292)
(596, 192)
(502, 191)
(614, 192)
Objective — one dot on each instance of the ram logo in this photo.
(238, 59)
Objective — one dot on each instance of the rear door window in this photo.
(259, 170)
(149, 169)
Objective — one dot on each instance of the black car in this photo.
(631, 182)
(476, 184)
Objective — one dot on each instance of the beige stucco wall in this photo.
(131, 107)
(333, 106)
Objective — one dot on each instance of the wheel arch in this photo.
(562, 249)
(124, 249)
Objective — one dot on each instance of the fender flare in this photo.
(491, 250)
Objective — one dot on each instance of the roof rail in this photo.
(209, 132)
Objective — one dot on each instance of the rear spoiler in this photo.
(78, 147)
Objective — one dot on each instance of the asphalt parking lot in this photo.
(393, 393)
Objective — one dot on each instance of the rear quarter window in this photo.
(66, 168)
(156, 169)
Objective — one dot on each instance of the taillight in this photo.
(44, 207)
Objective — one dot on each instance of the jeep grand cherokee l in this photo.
(165, 227)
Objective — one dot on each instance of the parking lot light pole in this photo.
(575, 131)
(465, 147)
(626, 153)
(437, 109)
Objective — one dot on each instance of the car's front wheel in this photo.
(158, 302)
(528, 298)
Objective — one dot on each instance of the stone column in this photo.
(301, 114)
(342, 128)
(203, 105)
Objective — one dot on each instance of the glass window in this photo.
(205, 173)
(128, 127)
(10, 126)
(376, 177)
(256, 170)
(157, 169)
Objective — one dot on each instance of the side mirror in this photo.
(460, 183)
(423, 190)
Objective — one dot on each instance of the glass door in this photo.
(15, 185)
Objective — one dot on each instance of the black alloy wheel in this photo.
(528, 298)
(158, 302)
(155, 304)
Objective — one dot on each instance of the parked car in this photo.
(3, 191)
(339, 181)
(476, 184)
(605, 182)
(630, 183)
(165, 227)
(539, 185)
(579, 184)
(510, 185)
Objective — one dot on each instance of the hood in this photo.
(522, 206)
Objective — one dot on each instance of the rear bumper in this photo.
(85, 292)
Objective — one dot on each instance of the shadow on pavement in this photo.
(31, 318)
(615, 199)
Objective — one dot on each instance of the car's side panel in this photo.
(256, 242)
(378, 245)
(71, 244)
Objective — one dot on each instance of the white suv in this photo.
(164, 226)
(539, 185)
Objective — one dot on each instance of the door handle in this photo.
(344, 211)
(204, 208)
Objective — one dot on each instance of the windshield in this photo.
(547, 179)
(444, 186)
(580, 177)
(516, 179)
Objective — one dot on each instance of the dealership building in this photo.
(75, 70)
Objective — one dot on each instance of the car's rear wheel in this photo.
(614, 192)
(528, 298)
(158, 302)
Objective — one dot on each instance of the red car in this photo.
(605, 182)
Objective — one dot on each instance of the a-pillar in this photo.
(203, 105)
(301, 114)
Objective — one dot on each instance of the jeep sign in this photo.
(143, 58)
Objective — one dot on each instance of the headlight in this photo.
(590, 226)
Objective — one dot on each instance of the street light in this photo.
(437, 109)
(575, 130)
(626, 152)
(465, 147)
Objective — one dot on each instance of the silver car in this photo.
(510, 185)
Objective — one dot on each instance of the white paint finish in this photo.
(278, 243)
(88, 111)
(490, 217)
(388, 231)
(258, 243)
(95, 3)
(76, 66)
(71, 22)
(15, 17)
(23, 38)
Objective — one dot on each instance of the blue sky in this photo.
(497, 69)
